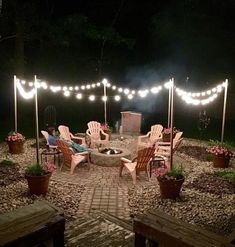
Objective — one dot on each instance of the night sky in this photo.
(132, 43)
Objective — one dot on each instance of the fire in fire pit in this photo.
(110, 151)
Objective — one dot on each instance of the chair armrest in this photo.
(105, 134)
(125, 160)
(82, 153)
(88, 132)
(72, 150)
(54, 147)
(76, 137)
(143, 136)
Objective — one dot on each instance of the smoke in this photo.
(147, 76)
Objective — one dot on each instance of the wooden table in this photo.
(168, 231)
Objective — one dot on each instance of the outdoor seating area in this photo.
(82, 189)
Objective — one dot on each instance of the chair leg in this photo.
(121, 168)
(88, 162)
(133, 175)
(61, 166)
(73, 165)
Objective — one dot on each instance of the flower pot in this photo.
(38, 185)
(170, 189)
(167, 137)
(107, 132)
(221, 161)
(16, 147)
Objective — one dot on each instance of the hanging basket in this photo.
(38, 185)
(221, 161)
(170, 189)
(16, 147)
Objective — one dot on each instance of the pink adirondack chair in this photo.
(70, 158)
(67, 135)
(93, 131)
(151, 138)
(138, 164)
(163, 149)
(45, 134)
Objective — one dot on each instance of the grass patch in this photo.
(229, 175)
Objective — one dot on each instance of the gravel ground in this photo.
(205, 200)
(14, 189)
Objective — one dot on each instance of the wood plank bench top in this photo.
(171, 232)
(31, 224)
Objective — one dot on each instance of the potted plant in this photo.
(15, 142)
(221, 153)
(38, 177)
(107, 129)
(166, 134)
(170, 182)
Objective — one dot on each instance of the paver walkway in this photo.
(104, 192)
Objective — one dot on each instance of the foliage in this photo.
(165, 174)
(15, 137)
(219, 148)
(6, 163)
(40, 170)
(229, 175)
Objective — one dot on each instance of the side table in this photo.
(48, 152)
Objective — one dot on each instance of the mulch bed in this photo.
(196, 152)
(9, 174)
(209, 183)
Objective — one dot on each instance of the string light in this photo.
(117, 97)
(26, 95)
(66, 93)
(195, 98)
(79, 96)
(104, 98)
(92, 97)
(130, 96)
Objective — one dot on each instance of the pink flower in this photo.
(49, 167)
(218, 150)
(15, 136)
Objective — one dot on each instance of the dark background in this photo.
(132, 43)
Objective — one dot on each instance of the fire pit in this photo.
(109, 156)
(110, 151)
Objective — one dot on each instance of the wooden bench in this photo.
(168, 231)
(34, 224)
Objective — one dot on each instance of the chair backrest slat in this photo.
(143, 158)
(94, 128)
(45, 134)
(66, 151)
(64, 132)
(156, 131)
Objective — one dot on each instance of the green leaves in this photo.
(229, 175)
(34, 170)
(6, 163)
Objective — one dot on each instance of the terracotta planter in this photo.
(221, 161)
(107, 132)
(170, 189)
(38, 185)
(16, 147)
